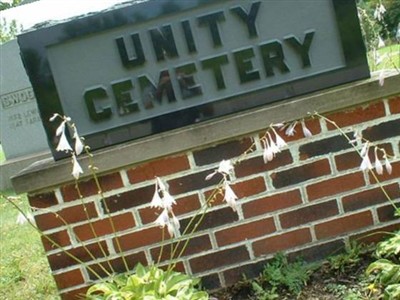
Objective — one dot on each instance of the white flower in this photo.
(225, 167)
(378, 164)
(22, 218)
(167, 201)
(290, 131)
(61, 128)
(366, 163)
(175, 226)
(76, 167)
(171, 229)
(379, 12)
(274, 148)
(356, 137)
(381, 77)
(230, 196)
(161, 185)
(278, 125)
(268, 154)
(381, 43)
(163, 219)
(388, 166)
(175, 221)
(280, 142)
(156, 201)
(63, 144)
(364, 149)
(53, 117)
(378, 58)
(306, 131)
(78, 142)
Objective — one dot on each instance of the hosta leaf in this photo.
(389, 272)
(392, 292)
(105, 288)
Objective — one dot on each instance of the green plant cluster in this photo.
(349, 258)
(281, 274)
(148, 283)
(386, 269)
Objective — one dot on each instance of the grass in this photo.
(391, 58)
(24, 271)
(2, 155)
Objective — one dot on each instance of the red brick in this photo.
(394, 104)
(145, 237)
(222, 151)
(183, 205)
(211, 282)
(89, 252)
(357, 115)
(192, 182)
(196, 245)
(256, 165)
(178, 267)
(242, 190)
(324, 146)
(385, 176)
(271, 203)
(88, 188)
(236, 274)
(129, 199)
(249, 187)
(68, 215)
(382, 131)
(212, 219)
(116, 265)
(61, 238)
(317, 252)
(104, 226)
(74, 294)
(219, 259)
(370, 197)
(160, 167)
(308, 214)
(343, 225)
(44, 200)
(281, 242)
(301, 174)
(351, 160)
(335, 186)
(374, 235)
(244, 232)
(387, 213)
(69, 279)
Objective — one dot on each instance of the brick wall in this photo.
(306, 201)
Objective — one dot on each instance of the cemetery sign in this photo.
(152, 66)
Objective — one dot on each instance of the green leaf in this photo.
(104, 288)
(389, 272)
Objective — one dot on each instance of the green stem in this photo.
(100, 192)
(162, 246)
(93, 231)
(58, 246)
(355, 148)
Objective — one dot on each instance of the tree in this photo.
(9, 3)
(387, 25)
(8, 30)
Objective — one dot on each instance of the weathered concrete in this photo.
(199, 135)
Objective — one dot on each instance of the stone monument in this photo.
(22, 134)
